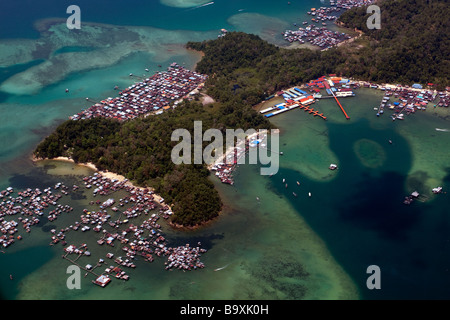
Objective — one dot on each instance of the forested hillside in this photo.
(412, 45)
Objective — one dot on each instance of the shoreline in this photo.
(107, 174)
(230, 150)
(116, 176)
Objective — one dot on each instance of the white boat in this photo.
(333, 166)
(437, 190)
(309, 194)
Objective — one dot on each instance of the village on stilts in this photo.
(111, 221)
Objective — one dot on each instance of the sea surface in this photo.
(278, 247)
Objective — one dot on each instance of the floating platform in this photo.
(285, 107)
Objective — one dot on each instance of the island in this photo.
(241, 70)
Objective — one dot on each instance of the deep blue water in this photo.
(17, 22)
(362, 218)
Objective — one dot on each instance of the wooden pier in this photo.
(340, 106)
(330, 91)
(79, 266)
(312, 111)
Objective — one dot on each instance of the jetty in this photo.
(340, 106)
(87, 268)
(335, 87)
(293, 98)
(328, 87)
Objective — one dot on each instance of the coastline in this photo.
(116, 176)
(107, 174)
(232, 149)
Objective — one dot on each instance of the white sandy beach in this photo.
(107, 174)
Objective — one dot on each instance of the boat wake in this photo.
(200, 6)
(221, 268)
(444, 130)
(203, 5)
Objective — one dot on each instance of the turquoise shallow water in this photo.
(281, 247)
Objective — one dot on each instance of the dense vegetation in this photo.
(251, 69)
(412, 46)
(141, 149)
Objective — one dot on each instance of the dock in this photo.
(81, 267)
(283, 107)
(313, 112)
(330, 91)
(294, 98)
(340, 106)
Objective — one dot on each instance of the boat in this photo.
(309, 194)
(298, 183)
(437, 190)
(333, 166)
(295, 195)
